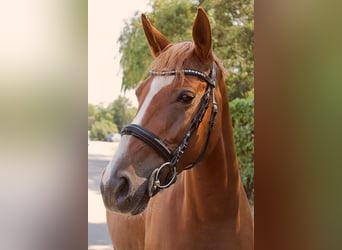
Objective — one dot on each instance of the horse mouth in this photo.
(139, 200)
(140, 205)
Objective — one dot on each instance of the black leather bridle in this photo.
(172, 158)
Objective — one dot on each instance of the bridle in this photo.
(172, 158)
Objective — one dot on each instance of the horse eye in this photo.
(186, 97)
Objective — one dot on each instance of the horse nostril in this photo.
(116, 193)
(122, 190)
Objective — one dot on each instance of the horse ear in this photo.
(156, 40)
(201, 34)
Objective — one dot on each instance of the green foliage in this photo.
(135, 53)
(242, 111)
(105, 120)
(100, 129)
(122, 111)
(233, 42)
(91, 109)
(174, 18)
(102, 113)
(233, 39)
(91, 115)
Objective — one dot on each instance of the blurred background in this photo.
(43, 120)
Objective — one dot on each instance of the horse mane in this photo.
(176, 56)
(173, 57)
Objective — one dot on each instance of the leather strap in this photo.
(149, 138)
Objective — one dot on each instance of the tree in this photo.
(233, 42)
(110, 119)
(135, 53)
(100, 122)
(174, 18)
(242, 111)
(91, 115)
(122, 111)
(101, 129)
(103, 113)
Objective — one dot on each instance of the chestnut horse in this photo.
(173, 182)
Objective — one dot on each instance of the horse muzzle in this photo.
(116, 194)
(123, 192)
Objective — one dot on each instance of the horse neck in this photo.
(215, 182)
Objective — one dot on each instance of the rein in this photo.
(171, 159)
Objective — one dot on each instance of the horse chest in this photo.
(171, 225)
(181, 236)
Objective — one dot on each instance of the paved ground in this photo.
(99, 154)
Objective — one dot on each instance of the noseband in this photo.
(172, 158)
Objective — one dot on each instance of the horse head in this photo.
(174, 126)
